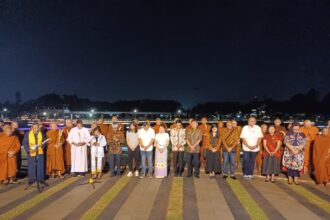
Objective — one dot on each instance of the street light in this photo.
(135, 111)
(45, 113)
(179, 111)
(92, 110)
(5, 109)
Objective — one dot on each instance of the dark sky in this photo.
(191, 51)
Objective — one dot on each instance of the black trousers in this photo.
(134, 156)
(178, 162)
(193, 162)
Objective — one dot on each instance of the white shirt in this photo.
(146, 136)
(162, 140)
(251, 135)
(77, 135)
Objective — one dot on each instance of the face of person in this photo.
(204, 120)
(94, 125)
(161, 129)
(271, 130)
(277, 122)
(229, 125)
(7, 130)
(96, 132)
(158, 122)
(214, 129)
(307, 123)
(325, 131)
(14, 125)
(147, 126)
(79, 126)
(295, 129)
(35, 128)
(68, 123)
(194, 124)
(100, 121)
(220, 124)
(252, 122)
(53, 126)
(234, 123)
(329, 123)
(264, 128)
(132, 127)
(114, 119)
(178, 125)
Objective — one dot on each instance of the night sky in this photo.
(190, 51)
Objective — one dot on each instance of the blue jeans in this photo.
(115, 163)
(229, 160)
(144, 156)
(249, 159)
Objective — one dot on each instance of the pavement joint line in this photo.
(251, 206)
(313, 198)
(303, 200)
(103, 202)
(261, 200)
(36, 200)
(175, 203)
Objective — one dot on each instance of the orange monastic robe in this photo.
(259, 155)
(54, 159)
(8, 165)
(321, 158)
(310, 133)
(67, 147)
(205, 132)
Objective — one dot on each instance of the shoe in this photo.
(150, 176)
(130, 174)
(266, 180)
(233, 177)
(175, 175)
(141, 176)
(251, 177)
(188, 176)
(225, 176)
(112, 175)
(245, 176)
(136, 173)
(197, 176)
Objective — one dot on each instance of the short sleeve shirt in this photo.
(146, 136)
(251, 135)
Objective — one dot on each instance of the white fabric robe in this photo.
(79, 153)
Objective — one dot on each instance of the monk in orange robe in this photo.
(67, 145)
(104, 128)
(258, 164)
(321, 157)
(221, 127)
(310, 131)
(157, 125)
(9, 146)
(54, 159)
(205, 128)
(239, 146)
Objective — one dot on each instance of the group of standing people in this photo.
(215, 147)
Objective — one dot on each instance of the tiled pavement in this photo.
(170, 198)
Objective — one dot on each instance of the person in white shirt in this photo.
(78, 138)
(97, 142)
(162, 140)
(146, 140)
(251, 136)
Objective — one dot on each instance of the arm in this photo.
(266, 148)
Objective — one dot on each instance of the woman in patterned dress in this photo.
(293, 157)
